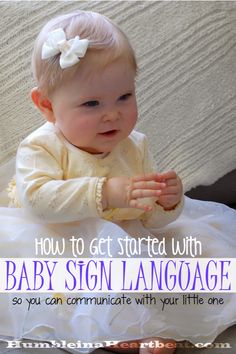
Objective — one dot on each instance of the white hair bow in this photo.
(71, 51)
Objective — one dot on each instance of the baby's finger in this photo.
(166, 175)
(171, 182)
(148, 185)
(171, 190)
(144, 193)
(148, 177)
(135, 204)
(168, 200)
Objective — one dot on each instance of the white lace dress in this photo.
(211, 223)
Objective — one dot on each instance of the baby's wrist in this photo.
(104, 196)
(109, 193)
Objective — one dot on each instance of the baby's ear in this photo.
(43, 104)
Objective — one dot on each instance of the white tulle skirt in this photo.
(212, 223)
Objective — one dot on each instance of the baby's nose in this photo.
(112, 115)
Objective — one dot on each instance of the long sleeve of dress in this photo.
(46, 193)
(158, 217)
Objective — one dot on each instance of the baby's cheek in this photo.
(86, 127)
(90, 128)
(132, 119)
(135, 112)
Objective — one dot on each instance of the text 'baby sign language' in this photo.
(117, 275)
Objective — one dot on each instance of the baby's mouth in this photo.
(109, 133)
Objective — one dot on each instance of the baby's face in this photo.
(96, 112)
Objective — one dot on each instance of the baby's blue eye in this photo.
(125, 97)
(91, 104)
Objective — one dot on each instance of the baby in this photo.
(87, 161)
(87, 172)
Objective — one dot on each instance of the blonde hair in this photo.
(107, 43)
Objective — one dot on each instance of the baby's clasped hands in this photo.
(126, 192)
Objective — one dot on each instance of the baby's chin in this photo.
(93, 151)
(102, 150)
(107, 146)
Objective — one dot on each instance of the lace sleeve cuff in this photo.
(99, 194)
